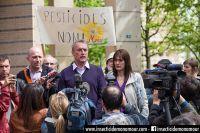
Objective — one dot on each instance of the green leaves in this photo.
(170, 25)
(96, 51)
(89, 3)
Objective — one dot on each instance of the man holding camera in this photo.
(36, 72)
(91, 74)
(7, 92)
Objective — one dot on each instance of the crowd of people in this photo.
(36, 101)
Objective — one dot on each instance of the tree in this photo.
(175, 22)
(158, 24)
(188, 27)
(89, 3)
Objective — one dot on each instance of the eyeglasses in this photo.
(49, 63)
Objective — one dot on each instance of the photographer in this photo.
(190, 90)
(36, 72)
(149, 91)
(7, 92)
(157, 115)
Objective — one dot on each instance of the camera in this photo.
(79, 93)
(164, 78)
(81, 110)
(110, 78)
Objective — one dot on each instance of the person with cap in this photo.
(162, 63)
(149, 91)
(109, 63)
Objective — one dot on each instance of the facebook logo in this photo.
(153, 128)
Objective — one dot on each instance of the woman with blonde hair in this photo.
(58, 107)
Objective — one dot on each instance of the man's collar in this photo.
(75, 66)
(28, 67)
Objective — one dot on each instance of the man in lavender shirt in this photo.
(91, 74)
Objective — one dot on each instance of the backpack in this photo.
(80, 115)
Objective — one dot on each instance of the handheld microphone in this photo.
(51, 74)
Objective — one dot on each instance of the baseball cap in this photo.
(110, 56)
(163, 63)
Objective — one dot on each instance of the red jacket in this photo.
(5, 98)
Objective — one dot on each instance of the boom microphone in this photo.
(85, 87)
(78, 80)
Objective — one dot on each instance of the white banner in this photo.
(64, 25)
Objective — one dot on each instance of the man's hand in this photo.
(50, 83)
(41, 81)
(10, 80)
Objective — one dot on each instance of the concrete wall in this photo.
(16, 31)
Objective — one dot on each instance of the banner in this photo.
(64, 25)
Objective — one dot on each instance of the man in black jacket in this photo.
(36, 72)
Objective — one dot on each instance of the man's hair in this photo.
(190, 88)
(112, 97)
(50, 56)
(189, 118)
(79, 41)
(122, 53)
(3, 58)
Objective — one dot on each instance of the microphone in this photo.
(51, 74)
(85, 88)
(78, 80)
(110, 78)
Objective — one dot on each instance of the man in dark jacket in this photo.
(36, 72)
(91, 74)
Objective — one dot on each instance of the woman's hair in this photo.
(58, 106)
(193, 63)
(122, 53)
(189, 118)
(31, 100)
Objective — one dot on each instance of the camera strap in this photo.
(28, 79)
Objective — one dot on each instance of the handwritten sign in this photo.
(64, 25)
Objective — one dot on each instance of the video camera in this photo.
(110, 78)
(81, 110)
(163, 77)
(79, 93)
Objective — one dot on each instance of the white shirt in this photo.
(82, 69)
(35, 75)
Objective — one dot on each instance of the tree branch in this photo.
(162, 22)
(188, 46)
